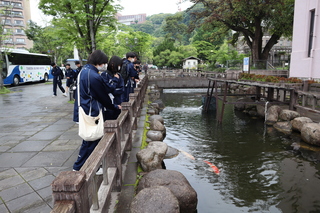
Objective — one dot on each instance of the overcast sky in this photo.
(131, 7)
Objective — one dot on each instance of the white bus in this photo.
(20, 66)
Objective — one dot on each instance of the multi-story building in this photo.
(14, 17)
(132, 19)
(306, 40)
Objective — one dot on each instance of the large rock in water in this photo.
(284, 127)
(160, 104)
(240, 105)
(178, 185)
(156, 117)
(158, 199)
(310, 133)
(157, 125)
(288, 115)
(261, 110)
(297, 123)
(272, 115)
(155, 135)
(152, 156)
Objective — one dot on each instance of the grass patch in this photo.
(71, 102)
(4, 90)
(48, 82)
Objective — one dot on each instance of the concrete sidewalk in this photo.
(38, 140)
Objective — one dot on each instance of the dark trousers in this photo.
(125, 94)
(86, 149)
(57, 82)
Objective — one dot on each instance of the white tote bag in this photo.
(90, 128)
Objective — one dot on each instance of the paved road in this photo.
(38, 139)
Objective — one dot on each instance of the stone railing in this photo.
(83, 191)
(309, 97)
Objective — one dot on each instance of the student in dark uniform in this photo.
(57, 81)
(93, 97)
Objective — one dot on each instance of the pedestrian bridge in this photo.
(180, 79)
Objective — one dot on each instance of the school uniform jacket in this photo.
(95, 94)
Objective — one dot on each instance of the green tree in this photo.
(146, 27)
(251, 19)
(204, 49)
(123, 42)
(49, 40)
(5, 13)
(224, 54)
(174, 27)
(188, 50)
(167, 44)
(83, 19)
(167, 58)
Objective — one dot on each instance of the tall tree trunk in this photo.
(1, 69)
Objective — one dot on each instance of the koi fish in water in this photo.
(187, 154)
(213, 167)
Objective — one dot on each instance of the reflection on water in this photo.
(259, 171)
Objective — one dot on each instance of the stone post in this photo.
(72, 186)
(113, 157)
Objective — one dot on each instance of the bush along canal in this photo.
(260, 168)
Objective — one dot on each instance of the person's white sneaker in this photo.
(54, 96)
(64, 94)
(99, 172)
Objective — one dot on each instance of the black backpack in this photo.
(61, 72)
(124, 73)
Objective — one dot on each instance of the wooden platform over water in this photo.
(290, 94)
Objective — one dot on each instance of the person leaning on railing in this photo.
(93, 97)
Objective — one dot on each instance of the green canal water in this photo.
(260, 170)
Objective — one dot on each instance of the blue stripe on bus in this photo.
(9, 79)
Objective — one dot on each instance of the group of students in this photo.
(58, 75)
(104, 84)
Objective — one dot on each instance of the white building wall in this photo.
(190, 64)
(303, 66)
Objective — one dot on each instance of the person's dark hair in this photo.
(113, 64)
(68, 65)
(77, 62)
(98, 57)
(130, 55)
(52, 64)
(137, 62)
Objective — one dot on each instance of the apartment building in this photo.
(14, 16)
(132, 19)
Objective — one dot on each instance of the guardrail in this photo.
(309, 98)
(228, 74)
(159, 74)
(83, 191)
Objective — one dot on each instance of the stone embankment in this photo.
(160, 190)
(283, 120)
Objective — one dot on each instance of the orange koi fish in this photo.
(188, 155)
(213, 167)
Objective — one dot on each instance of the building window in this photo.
(8, 41)
(6, 21)
(19, 31)
(17, 13)
(20, 40)
(5, 2)
(18, 22)
(311, 33)
(16, 4)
